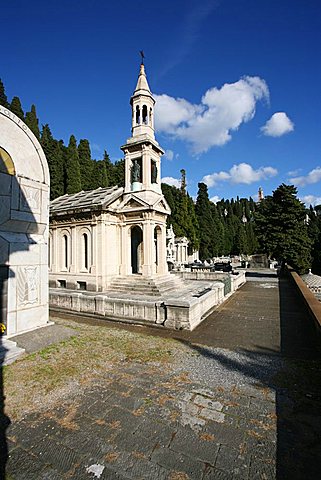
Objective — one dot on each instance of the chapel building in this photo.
(100, 235)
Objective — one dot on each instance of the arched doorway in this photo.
(136, 249)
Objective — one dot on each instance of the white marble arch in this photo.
(24, 209)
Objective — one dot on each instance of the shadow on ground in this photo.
(296, 382)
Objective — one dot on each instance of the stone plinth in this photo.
(180, 307)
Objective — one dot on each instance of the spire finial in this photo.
(142, 55)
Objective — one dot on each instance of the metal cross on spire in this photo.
(142, 55)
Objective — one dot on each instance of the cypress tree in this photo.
(86, 165)
(119, 173)
(32, 121)
(109, 170)
(16, 107)
(73, 178)
(3, 96)
(218, 231)
(53, 152)
(205, 221)
(99, 174)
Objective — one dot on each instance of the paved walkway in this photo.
(241, 401)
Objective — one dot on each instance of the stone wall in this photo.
(168, 311)
(24, 202)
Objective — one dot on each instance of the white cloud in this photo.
(169, 154)
(174, 182)
(294, 173)
(312, 177)
(210, 123)
(241, 173)
(311, 200)
(215, 199)
(278, 125)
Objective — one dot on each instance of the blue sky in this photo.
(237, 83)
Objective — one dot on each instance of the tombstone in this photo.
(24, 205)
(259, 261)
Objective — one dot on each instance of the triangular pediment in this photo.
(161, 204)
(133, 203)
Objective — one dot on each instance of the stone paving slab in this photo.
(218, 411)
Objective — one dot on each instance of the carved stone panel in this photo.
(28, 285)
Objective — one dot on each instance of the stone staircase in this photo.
(148, 286)
(9, 351)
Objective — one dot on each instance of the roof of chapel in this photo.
(85, 200)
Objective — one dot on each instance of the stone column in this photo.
(93, 250)
(73, 250)
(148, 267)
(54, 247)
(125, 249)
(127, 171)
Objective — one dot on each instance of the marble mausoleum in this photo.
(24, 204)
(108, 254)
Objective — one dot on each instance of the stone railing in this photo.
(312, 303)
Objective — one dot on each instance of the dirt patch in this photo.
(42, 379)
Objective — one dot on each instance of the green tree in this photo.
(86, 165)
(109, 169)
(99, 174)
(32, 121)
(3, 96)
(73, 178)
(205, 221)
(183, 217)
(118, 177)
(54, 155)
(16, 108)
(281, 229)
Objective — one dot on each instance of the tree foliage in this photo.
(85, 164)
(3, 96)
(281, 229)
(16, 107)
(32, 121)
(183, 215)
(73, 178)
(54, 155)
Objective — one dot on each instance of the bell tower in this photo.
(142, 103)
(142, 151)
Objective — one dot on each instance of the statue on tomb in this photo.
(154, 173)
(135, 172)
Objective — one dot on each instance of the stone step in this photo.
(144, 285)
(9, 351)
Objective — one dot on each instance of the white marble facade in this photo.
(106, 233)
(24, 203)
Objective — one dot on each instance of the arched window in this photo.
(6, 163)
(85, 250)
(65, 251)
(137, 115)
(145, 117)
(151, 117)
